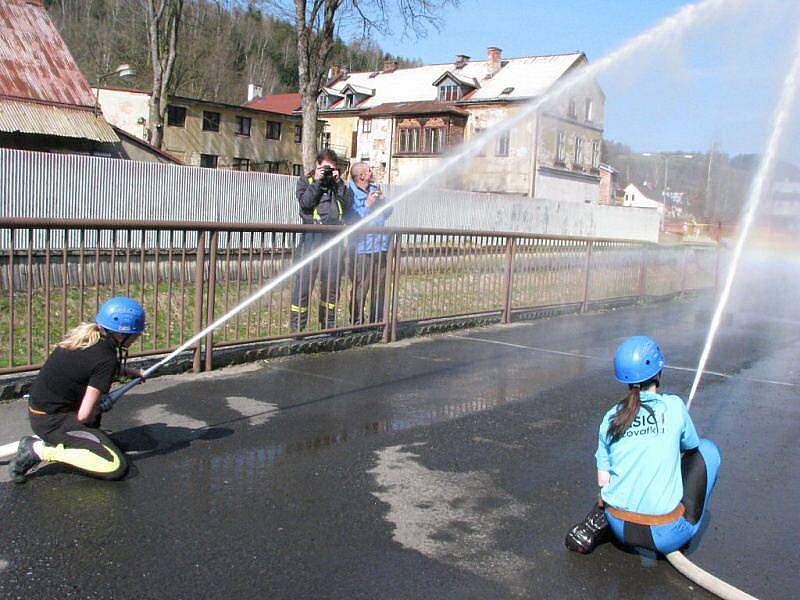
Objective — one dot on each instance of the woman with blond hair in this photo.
(69, 395)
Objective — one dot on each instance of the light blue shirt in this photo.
(368, 243)
(645, 463)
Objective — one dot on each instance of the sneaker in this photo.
(25, 459)
(586, 535)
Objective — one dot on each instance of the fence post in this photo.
(585, 305)
(643, 274)
(198, 295)
(507, 280)
(398, 249)
(684, 267)
(211, 295)
(388, 311)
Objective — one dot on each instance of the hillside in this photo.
(223, 46)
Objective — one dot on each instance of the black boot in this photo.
(586, 535)
(25, 459)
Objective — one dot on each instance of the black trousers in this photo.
(328, 267)
(368, 275)
(86, 448)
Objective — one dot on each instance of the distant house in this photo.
(402, 121)
(45, 101)
(214, 134)
(634, 197)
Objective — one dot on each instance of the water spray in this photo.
(765, 168)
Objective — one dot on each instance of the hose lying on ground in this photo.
(706, 580)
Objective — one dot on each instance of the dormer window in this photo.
(449, 92)
(350, 100)
(324, 101)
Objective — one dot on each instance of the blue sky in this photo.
(718, 85)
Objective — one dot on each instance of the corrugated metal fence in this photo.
(34, 184)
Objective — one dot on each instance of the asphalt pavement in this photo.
(448, 466)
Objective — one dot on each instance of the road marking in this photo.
(600, 358)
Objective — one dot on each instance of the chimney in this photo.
(333, 72)
(254, 91)
(461, 60)
(389, 66)
(493, 61)
(344, 70)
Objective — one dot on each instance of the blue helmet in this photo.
(638, 359)
(121, 315)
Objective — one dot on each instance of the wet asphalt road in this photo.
(442, 467)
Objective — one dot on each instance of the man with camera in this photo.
(324, 198)
(368, 258)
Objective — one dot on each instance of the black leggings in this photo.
(71, 442)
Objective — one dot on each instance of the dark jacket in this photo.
(323, 205)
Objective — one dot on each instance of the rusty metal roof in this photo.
(42, 90)
(35, 63)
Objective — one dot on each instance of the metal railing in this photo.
(55, 273)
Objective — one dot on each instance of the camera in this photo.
(327, 175)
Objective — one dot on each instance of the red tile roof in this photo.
(284, 104)
(35, 63)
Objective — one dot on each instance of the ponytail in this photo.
(81, 337)
(628, 407)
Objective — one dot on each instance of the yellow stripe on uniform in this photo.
(300, 309)
(82, 458)
(328, 305)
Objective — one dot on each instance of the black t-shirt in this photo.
(63, 379)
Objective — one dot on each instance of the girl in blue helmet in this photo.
(655, 474)
(66, 400)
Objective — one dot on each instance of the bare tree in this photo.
(163, 19)
(315, 23)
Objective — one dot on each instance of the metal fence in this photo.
(187, 274)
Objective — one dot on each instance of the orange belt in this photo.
(36, 412)
(640, 519)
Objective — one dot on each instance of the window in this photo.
(561, 147)
(572, 109)
(241, 164)
(503, 143)
(433, 140)
(176, 116)
(366, 125)
(578, 162)
(209, 161)
(210, 121)
(408, 139)
(350, 100)
(477, 132)
(271, 166)
(273, 130)
(325, 140)
(297, 170)
(298, 134)
(595, 154)
(324, 101)
(449, 92)
(589, 107)
(243, 125)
